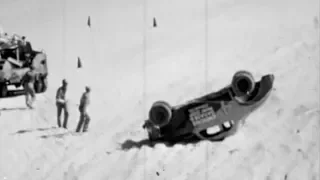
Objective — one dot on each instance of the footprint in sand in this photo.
(316, 22)
(280, 112)
(300, 110)
(285, 148)
(70, 173)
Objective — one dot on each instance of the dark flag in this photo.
(89, 22)
(79, 63)
(154, 22)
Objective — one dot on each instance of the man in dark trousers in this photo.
(27, 48)
(84, 111)
(62, 104)
(28, 81)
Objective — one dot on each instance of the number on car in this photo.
(201, 114)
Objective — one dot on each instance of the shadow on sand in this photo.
(33, 130)
(130, 144)
(61, 135)
(53, 135)
(14, 109)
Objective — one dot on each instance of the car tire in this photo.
(243, 83)
(160, 113)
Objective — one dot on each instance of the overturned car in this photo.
(214, 116)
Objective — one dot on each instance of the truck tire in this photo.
(160, 113)
(3, 90)
(243, 83)
(38, 85)
(44, 84)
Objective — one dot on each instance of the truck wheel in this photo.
(44, 84)
(4, 90)
(160, 113)
(242, 83)
(38, 86)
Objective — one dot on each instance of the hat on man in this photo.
(88, 89)
(64, 81)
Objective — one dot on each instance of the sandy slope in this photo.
(279, 141)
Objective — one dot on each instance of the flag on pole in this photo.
(79, 63)
(89, 22)
(154, 22)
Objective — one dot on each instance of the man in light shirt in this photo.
(28, 81)
(62, 104)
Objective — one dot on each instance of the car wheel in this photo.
(243, 83)
(160, 113)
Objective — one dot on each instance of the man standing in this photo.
(27, 48)
(28, 81)
(84, 111)
(61, 103)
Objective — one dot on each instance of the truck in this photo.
(15, 62)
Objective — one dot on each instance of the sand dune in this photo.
(278, 141)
